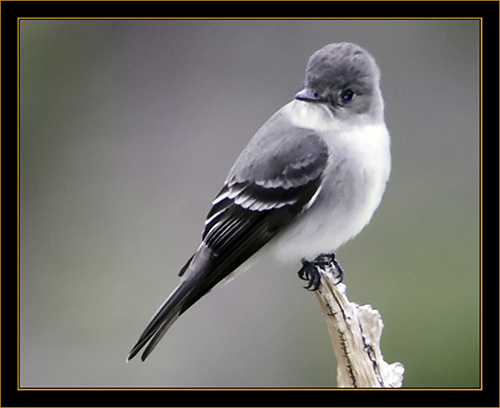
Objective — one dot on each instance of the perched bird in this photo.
(309, 180)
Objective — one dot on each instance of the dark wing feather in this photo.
(237, 233)
(261, 196)
(257, 202)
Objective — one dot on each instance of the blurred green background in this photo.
(128, 129)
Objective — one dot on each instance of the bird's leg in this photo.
(340, 272)
(309, 270)
(325, 261)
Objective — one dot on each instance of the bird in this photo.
(308, 181)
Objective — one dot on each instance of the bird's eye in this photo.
(347, 95)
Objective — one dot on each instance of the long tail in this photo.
(164, 317)
(193, 286)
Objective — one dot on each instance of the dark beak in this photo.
(308, 95)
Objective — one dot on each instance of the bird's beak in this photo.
(308, 95)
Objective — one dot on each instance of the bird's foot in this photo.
(310, 272)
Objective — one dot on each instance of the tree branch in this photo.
(355, 333)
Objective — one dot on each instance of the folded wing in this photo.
(273, 180)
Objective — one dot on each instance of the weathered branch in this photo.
(355, 333)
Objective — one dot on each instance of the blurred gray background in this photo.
(128, 129)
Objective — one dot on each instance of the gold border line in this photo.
(19, 388)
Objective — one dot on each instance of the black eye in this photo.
(347, 95)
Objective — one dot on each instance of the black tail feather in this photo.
(161, 321)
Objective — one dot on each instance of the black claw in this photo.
(338, 268)
(309, 271)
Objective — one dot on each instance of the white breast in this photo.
(352, 188)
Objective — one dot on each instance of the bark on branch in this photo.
(355, 333)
